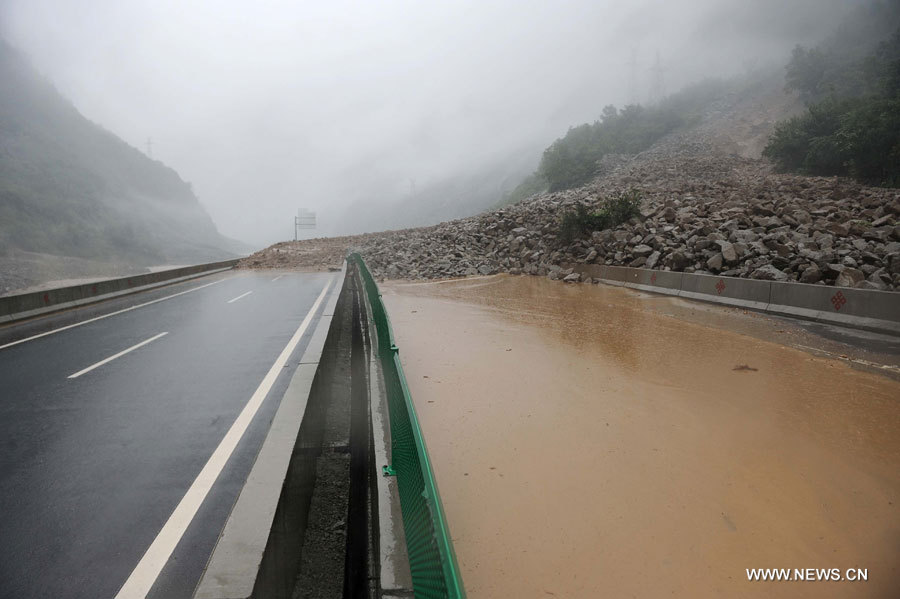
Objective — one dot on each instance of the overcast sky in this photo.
(268, 106)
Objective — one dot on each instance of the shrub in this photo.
(572, 160)
(623, 207)
(858, 138)
(580, 221)
(613, 212)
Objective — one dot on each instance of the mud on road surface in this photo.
(595, 441)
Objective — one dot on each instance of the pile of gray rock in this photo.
(710, 205)
(320, 254)
(702, 212)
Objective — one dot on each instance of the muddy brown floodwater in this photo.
(592, 441)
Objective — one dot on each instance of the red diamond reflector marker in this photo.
(838, 300)
(720, 286)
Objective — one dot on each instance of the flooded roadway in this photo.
(595, 441)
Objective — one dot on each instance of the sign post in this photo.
(304, 220)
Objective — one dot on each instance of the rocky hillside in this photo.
(710, 205)
(704, 214)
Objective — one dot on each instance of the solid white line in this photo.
(849, 359)
(232, 300)
(78, 324)
(118, 355)
(145, 573)
(276, 278)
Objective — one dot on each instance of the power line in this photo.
(657, 86)
(632, 77)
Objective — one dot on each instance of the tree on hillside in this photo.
(806, 73)
(572, 160)
(852, 123)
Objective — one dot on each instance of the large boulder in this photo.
(767, 272)
(811, 274)
(729, 253)
(678, 261)
(850, 277)
(715, 263)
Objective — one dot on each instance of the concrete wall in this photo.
(877, 311)
(27, 305)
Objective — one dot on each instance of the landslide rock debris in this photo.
(309, 254)
(703, 211)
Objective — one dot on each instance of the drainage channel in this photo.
(322, 541)
(336, 552)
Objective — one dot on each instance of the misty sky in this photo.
(269, 106)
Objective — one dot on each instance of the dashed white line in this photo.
(118, 355)
(146, 572)
(276, 278)
(78, 324)
(234, 299)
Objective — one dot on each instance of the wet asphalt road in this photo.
(91, 467)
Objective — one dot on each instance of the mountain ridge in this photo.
(71, 188)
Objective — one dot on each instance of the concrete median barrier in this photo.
(877, 311)
(594, 271)
(28, 305)
(656, 281)
(731, 291)
(616, 275)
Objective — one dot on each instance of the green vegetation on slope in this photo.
(68, 187)
(852, 123)
(573, 160)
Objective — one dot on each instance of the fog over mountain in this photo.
(76, 201)
(376, 114)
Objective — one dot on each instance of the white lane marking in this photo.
(276, 278)
(147, 570)
(118, 355)
(78, 324)
(849, 359)
(234, 299)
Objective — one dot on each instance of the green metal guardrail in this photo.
(435, 573)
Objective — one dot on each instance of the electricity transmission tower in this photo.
(150, 147)
(632, 78)
(657, 86)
